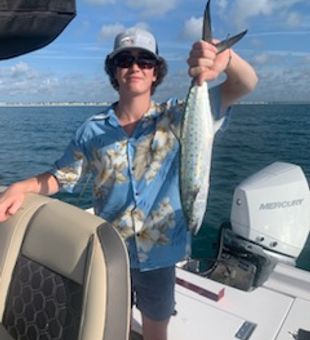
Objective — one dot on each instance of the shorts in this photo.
(153, 292)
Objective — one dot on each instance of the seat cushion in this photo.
(4, 335)
(42, 303)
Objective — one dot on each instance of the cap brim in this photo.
(114, 53)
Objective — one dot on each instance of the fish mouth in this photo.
(207, 32)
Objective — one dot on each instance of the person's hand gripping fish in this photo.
(207, 60)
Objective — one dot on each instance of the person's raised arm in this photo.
(205, 65)
(241, 80)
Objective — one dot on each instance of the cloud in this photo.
(281, 85)
(176, 84)
(149, 8)
(110, 31)
(222, 4)
(294, 19)
(21, 80)
(100, 2)
(273, 33)
(281, 76)
(20, 69)
(192, 29)
(261, 58)
(243, 10)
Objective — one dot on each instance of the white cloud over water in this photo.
(278, 80)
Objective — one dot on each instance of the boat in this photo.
(253, 291)
(57, 283)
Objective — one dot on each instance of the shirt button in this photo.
(137, 194)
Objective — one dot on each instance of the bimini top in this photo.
(26, 26)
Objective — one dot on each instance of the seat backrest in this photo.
(63, 274)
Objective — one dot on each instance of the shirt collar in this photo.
(107, 114)
(153, 112)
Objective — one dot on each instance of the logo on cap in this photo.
(127, 41)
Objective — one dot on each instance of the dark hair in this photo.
(161, 70)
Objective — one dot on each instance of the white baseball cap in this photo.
(135, 38)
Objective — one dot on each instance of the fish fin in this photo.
(207, 32)
(227, 43)
(218, 124)
(207, 29)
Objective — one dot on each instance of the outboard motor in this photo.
(270, 222)
(272, 209)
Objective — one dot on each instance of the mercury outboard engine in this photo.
(270, 222)
(272, 209)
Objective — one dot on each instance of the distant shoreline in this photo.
(77, 104)
(51, 104)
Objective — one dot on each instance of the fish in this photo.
(198, 129)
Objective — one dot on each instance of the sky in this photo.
(70, 69)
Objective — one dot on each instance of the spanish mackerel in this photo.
(196, 139)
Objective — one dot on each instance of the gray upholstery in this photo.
(81, 250)
(4, 335)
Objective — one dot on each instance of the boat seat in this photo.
(63, 275)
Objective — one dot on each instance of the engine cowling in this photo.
(272, 208)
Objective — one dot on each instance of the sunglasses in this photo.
(126, 60)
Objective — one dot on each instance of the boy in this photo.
(133, 153)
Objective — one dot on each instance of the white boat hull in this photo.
(278, 309)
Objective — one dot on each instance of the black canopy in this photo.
(27, 25)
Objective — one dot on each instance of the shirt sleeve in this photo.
(70, 168)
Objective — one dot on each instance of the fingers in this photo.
(12, 210)
(4, 211)
(201, 61)
(204, 62)
(203, 48)
(9, 206)
(202, 54)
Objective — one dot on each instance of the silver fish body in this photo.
(196, 139)
(197, 134)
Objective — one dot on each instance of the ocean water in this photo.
(32, 138)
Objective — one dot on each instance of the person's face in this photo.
(135, 72)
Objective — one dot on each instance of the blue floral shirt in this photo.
(135, 179)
